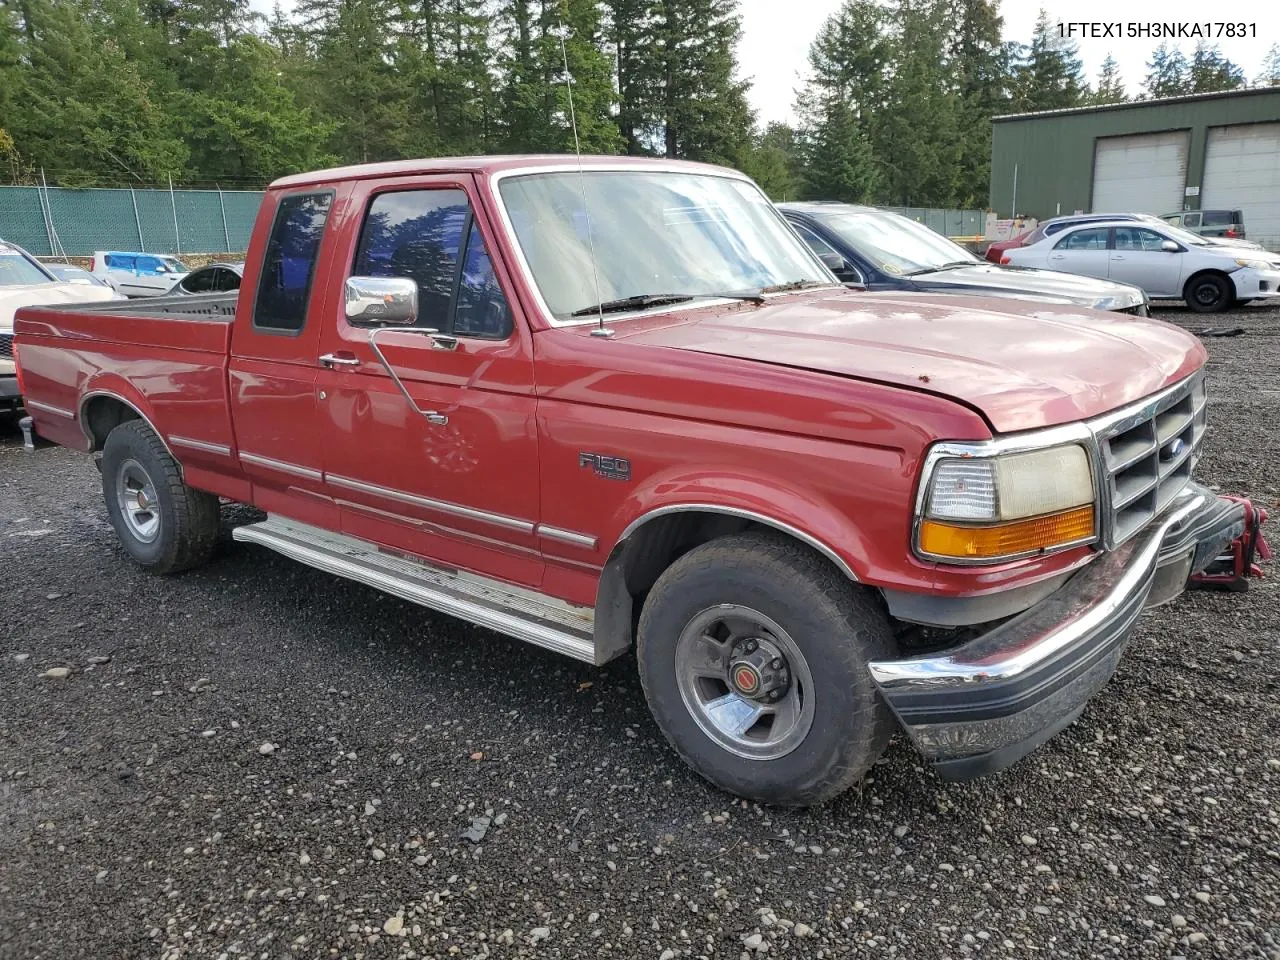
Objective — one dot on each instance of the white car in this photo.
(1166, 262)
(138, 274)
(25, 282)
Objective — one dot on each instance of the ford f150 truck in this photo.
(616, 405)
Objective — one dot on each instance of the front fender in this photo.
(784, 506)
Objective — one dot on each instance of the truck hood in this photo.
(46, 295)
(1021, 365)
(1046, 285)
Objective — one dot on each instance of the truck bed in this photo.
(214, 307)
(165, 358)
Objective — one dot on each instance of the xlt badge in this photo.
(611, 468)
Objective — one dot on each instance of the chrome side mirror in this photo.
(385, 301)
(1168, 246)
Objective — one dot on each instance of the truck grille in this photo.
(6, 346)
(1148, 452)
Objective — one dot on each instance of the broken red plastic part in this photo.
(1233, 569)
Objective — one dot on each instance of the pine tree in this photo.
(351, 78)
(696, 102)
(1211, 71)
(82, 110)
(1050, 75)
(838, 161)
(979, 62)
(773, 161)
(841, 101)
(919, 125)
(1110, 87)
(1269, 75)
(536, 95)
(1168, 74)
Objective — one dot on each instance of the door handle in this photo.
(1117, 258)
(332, 360)
(1058, 256)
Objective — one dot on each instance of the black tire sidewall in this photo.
(848, 727)
(127, 442)
(1223, 285)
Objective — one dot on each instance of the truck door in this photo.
(449, 472)
(272, 370)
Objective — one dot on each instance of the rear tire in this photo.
(1208, 292)
(165, 525)
(760, 599)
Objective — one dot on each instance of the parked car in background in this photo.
(887, 251)
(26, 282)
(212, 278)
(138, 274)
(1209, 223)
(1166, 262)
(70, 273)
(1054, 225)
(672, 434)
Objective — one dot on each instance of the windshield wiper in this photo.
(949, 265)
(642, 300)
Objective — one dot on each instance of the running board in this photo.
(523, 614)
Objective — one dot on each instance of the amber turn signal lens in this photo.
(992, 541)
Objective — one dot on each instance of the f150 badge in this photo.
(611, 468)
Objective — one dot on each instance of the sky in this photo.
(776, 35)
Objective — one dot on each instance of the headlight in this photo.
(981, 509)
(1254, 264)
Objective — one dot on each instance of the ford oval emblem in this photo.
(1173, 449)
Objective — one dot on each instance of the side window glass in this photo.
(1084, 240)
(290, 262)
(1174, 221)
(481, 309)
(148, 265)
(416, 234)
(198, 282)
(1192, 220)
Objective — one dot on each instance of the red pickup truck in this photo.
(619, 404)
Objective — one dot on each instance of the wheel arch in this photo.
(1210, 271)
(657, 538)
(102, 410)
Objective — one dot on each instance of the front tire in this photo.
(753, 654)
(165, 525)
(1209, 293)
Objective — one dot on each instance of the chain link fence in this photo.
(61, 220)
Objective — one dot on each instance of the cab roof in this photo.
(489, 165)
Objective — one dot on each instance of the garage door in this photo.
(1140, 174)
(1242, 172)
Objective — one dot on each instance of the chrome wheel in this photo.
(745, 682)
(139, 505)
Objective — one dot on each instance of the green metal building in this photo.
(1205, 151)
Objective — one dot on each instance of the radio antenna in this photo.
(600, 330)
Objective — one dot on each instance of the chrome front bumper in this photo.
(979, 707)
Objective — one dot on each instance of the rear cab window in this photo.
(289, 263)
(430, 236)
(1219, 218)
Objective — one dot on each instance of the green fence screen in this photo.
(78, 222)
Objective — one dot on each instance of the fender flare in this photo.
(136, 403)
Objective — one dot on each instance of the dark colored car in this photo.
(213, 278)
(886, 251)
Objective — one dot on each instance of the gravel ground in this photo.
(256, 759)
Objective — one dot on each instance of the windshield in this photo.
(16, 269)
(652, 232)
(895, 244)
